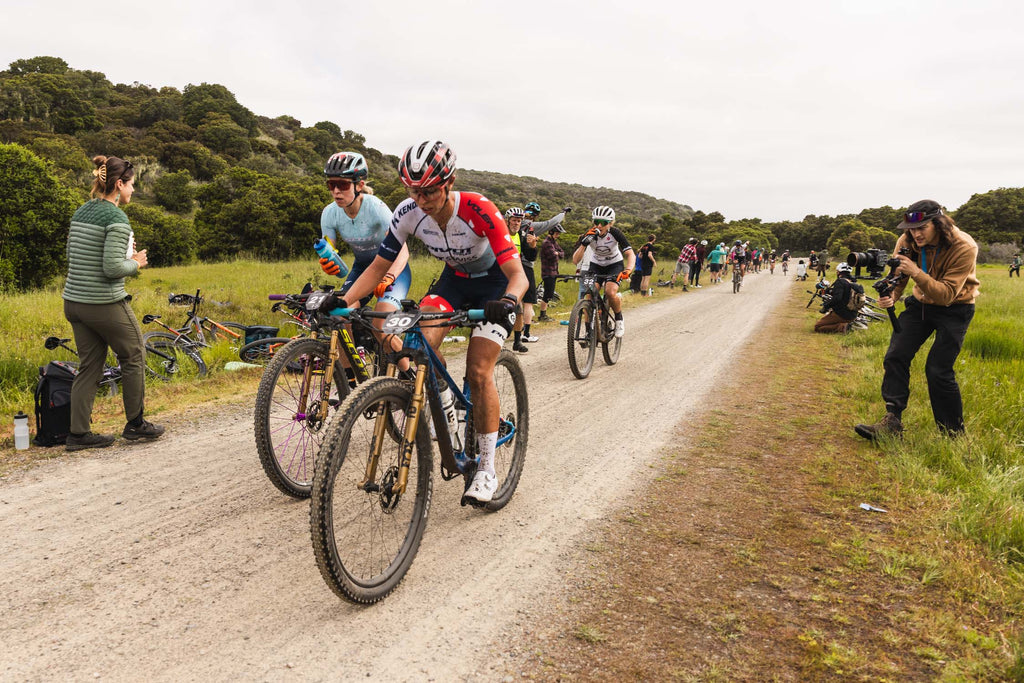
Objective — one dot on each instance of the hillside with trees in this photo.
(214, 180)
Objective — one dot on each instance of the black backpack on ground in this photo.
(53, 403)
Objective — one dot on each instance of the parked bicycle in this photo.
(591, 322)
(265, 342)
(160, 364)
(371, 492)
(302, 386)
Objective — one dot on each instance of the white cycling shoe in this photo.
(620, 329)
(482, 489)
(531, 339)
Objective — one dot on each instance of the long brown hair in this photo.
(108, 171)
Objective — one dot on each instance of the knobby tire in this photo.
(365, 540)
(581, 360)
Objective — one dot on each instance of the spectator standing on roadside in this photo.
(1015, 265)
(698, 264)
(823, 264)
(647, 264)
(716, 259)
(687, 255)
(550, 253)
(101, 254)
(942, 264)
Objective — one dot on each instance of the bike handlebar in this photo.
(473, 314)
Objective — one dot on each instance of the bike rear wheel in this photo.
(612, 345)
(262, 350)
(167, 358)
(582, 339)
(365, 535)
(289, 424)
(514, 414)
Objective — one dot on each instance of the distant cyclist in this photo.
(482, 270)
(526, 243)
(738, 257)
(612, 261)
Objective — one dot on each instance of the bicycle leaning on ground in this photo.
(371, 492)
(591, 322)
(302, 386)
(160, 364)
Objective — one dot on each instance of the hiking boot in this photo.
(889, 425)
(520, 348)
(146, 430)
(88, 440)
(482, 489)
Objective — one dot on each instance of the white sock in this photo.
(486, 444)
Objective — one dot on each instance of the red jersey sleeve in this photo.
(485, 220)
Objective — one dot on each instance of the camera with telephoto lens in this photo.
(886, 285)
(874, 260)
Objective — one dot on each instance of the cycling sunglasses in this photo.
(424, 192)
(919, 216)
(601, 221)
(339, 184)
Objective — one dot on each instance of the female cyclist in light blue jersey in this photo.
(361, 221)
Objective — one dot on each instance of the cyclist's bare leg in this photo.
(480, 361)
(394, 341)
(434, 331)
(611, 291)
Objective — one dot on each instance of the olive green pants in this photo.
(97, 327)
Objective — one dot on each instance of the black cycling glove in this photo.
(502, 312)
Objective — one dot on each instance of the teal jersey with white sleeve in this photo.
(364, 233)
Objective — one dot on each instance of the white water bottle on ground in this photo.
(21, 431)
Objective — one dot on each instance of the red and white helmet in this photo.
(427, 164)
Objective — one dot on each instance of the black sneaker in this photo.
(88, 440)
(146, 430)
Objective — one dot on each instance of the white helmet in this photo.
(843, 268)
(605, 213)
(703, 243)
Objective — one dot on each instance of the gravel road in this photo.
(178, 560)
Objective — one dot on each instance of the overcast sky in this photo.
(767, 109)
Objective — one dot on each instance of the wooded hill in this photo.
(215, 180)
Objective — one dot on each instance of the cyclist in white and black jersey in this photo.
(612, 260)
(482, 270)
(738, 257)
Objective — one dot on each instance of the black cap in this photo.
(929, 207)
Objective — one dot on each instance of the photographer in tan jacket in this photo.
(942, 264)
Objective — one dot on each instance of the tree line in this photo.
(215, 180)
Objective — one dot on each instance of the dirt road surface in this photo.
(178, 560)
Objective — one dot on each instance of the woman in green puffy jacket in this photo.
(101, 254)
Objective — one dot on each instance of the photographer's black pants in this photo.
(918, 322)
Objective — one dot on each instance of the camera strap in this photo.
(924, 260)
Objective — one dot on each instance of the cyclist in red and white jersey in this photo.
(482, 270)
(612, 261)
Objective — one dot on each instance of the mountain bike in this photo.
(371, 494)
(302, 386)
(785, 267)
(737, 278)
(267, 343)
(591, 322)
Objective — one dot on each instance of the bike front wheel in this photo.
(582, 339)
(365, 532)
(167, 359)
(290, 422)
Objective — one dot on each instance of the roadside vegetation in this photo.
(750, 558)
